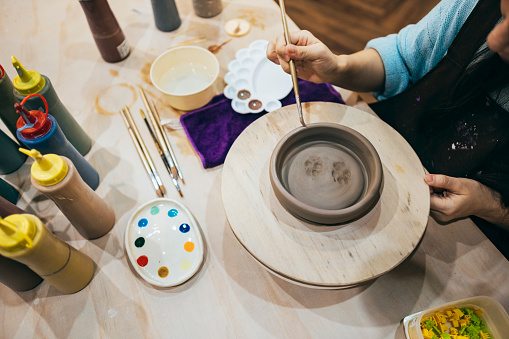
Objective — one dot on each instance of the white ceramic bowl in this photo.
(186, 76)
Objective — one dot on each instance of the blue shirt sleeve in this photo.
(416, 49)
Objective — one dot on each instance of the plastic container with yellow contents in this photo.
(489, 310)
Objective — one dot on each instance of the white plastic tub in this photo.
(493, 314)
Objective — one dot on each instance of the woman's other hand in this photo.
(454, 198)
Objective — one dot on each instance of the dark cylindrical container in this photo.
(13, 274)
(7, 101)
(207, 8)
(10, 158)
(166, 15)
(108, 35)
(8, 192)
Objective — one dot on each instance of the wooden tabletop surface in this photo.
(232, 296)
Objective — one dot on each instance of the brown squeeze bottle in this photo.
(106, 31)
(13, 274)
(56, 177)
(24, 238)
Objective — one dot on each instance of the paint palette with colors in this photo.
(164, 243)
(254, 83)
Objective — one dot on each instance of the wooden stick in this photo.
(293, 71)
(142, 152)
(158, 131)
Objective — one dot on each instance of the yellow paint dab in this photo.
(185, 264)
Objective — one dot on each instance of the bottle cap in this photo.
(26, 82)
(47, 170)
(32, 124)
(16, 232)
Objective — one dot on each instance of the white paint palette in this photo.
(254, 83)
(164, 243)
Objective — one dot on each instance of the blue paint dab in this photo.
(143, 222)
(184, 228)
(172, 213)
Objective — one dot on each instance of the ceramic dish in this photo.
(254, 83)
(164, 243)
(185, 76)
(326, 173)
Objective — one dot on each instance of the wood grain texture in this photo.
(327, 256)
(346, 26)
(232, 296)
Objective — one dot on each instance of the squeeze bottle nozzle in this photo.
(32, 124)
(47, 170)
(26, 82)
(16, 232)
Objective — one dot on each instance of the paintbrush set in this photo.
(161, 141)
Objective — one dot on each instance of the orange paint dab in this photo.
(189, 246)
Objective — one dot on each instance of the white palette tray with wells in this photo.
(254, 83)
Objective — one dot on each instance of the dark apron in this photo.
(461, 142)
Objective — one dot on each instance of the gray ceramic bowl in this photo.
(326, 173)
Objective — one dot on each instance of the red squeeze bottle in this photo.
(107, 33)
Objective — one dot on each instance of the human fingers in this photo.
(498, 40)
(308, 53)
(271, 52)
(281, 48)
(443, 182)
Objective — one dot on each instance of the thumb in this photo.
(442, 181)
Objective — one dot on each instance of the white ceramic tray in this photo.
(164, 243)
(254, 83)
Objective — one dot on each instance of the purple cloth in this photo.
(213, 129)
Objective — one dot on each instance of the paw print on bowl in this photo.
(254, 83)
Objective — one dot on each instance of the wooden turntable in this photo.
(321, 256)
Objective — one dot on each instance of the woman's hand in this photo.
(313, 60)
(362, 71)
(454, 198)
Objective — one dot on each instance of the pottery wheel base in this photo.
(324, 256)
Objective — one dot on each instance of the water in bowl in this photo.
(186, 79)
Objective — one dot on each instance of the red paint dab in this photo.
(142, 261)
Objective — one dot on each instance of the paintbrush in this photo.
(163, 143)
(167, 143)
(160, 151)
(293, 71)
(142, 152)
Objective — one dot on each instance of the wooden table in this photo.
(231, 296)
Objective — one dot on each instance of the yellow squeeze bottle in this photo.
(56, 177)
(24, 238)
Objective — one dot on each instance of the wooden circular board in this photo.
(324, 256)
